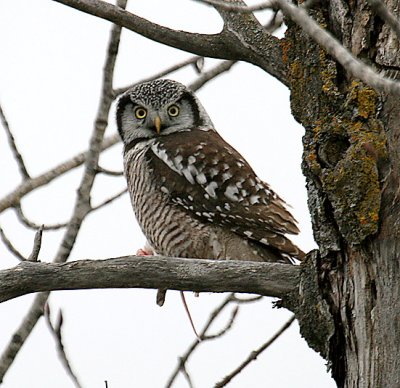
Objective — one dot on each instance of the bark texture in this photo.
(351, 162)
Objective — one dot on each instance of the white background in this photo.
(50, 72)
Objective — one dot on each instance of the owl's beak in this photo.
(157, 124)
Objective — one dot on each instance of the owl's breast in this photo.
(166, 226)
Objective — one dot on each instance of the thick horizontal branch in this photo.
(247, 41)
(269, 279)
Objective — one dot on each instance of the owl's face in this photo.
(159, 108)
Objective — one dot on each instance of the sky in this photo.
(50, 78)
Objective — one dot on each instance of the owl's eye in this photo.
(173, 111)
(140, 113)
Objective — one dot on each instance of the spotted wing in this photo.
(210, 179)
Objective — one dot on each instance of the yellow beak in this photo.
(157, 124)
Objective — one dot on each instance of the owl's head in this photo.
(159, 108)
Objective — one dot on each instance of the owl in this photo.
(193, 194)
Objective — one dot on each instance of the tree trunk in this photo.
(351, 162)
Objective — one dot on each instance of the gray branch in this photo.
(234, 42)
(11, 141)
(29, 185)
(269, 279)
(352, 65)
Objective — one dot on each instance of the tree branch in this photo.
(270, 279)
(82, 203)
(13, 146)
(383, 12)
(250, 43)
(32, 184)
(352, 65)
(253, 355)
(56, 331)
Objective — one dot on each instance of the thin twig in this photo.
(191, 61)
(106, 171)
(227, 327)
(238, 7)
(189, 315)
(56, 331)
(29, 185)
(13, 146)
(185, 373)
(253, 355)
(33, 225)
(21, 334)
(10, 246)
(109, 200)
(37, 244)
(184, 358)
(211, 74)
(82, 204)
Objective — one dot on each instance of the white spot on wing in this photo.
(226, 175)
(210, 189)
(232, 192)
(201, 179)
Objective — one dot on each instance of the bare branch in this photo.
(14, 198)
(238, 7)
(185, 373)
(82, 204)
(228, 44)
(381, 9)
(163, 73)
(37, 244)
(253, 355)
(225, 329)
(185, 305)
(32, 225)
(22, 333)
(106, 171)
(352, 65)
(211, 74)
(56, 332)
(109, 200)
(183, 359)
(271, 279)
(13, 146)
(10, 246)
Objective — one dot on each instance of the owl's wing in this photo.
(209, 179)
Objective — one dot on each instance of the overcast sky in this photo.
(50, 73)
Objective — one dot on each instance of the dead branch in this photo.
(82, 204)
(238, 7)
(234, 42)
(33, 225)
(253, 355)
(108, 200)
(183, 359)
(269, 279)
(13, 146)
(10, 246)
(210, 74)
(56, 331)
(22, 333)
(29, 185)
(37, 244)
(191, 61)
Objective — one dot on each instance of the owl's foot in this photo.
(144, 252)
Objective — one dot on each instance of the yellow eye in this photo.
(140, 113)
(173, 111)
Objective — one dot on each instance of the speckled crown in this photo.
(157, 93)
